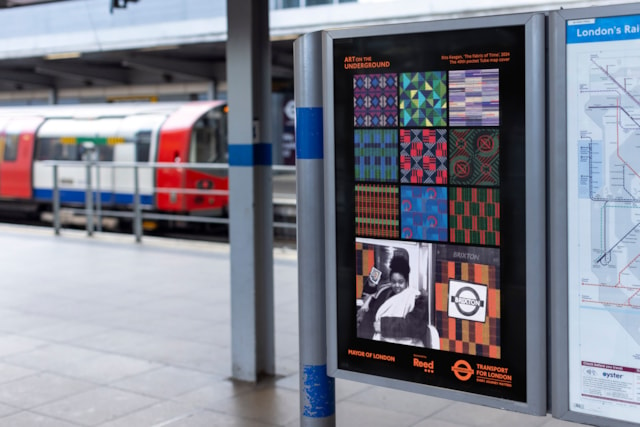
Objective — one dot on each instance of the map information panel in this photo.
(603, 140)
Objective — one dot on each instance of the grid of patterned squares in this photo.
(430, 140)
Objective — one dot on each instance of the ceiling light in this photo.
(63, 55)
(157, 48)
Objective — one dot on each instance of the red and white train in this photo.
(185, 132)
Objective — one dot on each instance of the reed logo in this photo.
(421, 362)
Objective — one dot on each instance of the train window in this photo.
(105, 153)
(45, 149)
(53, 149)
(204, 141)
(11, 147)
(143, 145)
(66, 152)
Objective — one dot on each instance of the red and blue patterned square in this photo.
(423, 156)
(475, 156)
(474, 97)
(375, 100)
(376, 155)
(423, 99)
(423, 213)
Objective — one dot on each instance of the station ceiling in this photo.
(163, 64)
(16, 3)
(186, 63)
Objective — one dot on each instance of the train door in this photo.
(207, 145)
(138, 132)
(18, 140)
(124, 176)
(105, 136)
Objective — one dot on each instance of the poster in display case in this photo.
(434, 159)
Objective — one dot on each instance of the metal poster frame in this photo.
(560, 207)
(532, 268)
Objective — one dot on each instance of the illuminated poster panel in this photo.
(427, 152)
(603, 191)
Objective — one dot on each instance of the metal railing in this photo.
(95, 213)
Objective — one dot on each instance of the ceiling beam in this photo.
(84, 72)
(26, 77)
(198, 69)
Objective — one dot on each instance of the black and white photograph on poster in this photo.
(467, 301)
(394, 292)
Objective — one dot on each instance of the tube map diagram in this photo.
(603, 153)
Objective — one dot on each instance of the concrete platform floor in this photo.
(104, 332)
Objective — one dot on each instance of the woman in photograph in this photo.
(397, 312)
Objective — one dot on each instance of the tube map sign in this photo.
(603, 158)
(430, 208)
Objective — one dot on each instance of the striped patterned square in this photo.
(474, 216)
(474, 97)
(377, 211)
(376, 155)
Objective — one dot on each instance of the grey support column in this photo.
(250, 190)
(317, 391)
(212, 90)
(53, 96)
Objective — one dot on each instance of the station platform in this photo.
(101, 331)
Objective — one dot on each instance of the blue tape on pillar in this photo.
(250, 154)
(309, 133)
(319, 392)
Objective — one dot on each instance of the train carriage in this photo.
(111, 134)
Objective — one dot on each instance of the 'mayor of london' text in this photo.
(611, 31)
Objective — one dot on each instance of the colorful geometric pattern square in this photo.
(474, 156)
(474, 97)
(474, 216)
(376, 155)
(365, 259)
(465, 336)
(423, 213)
(377, 211)
(423, 156)
(423, 99)
(375, 100)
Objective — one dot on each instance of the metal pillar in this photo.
(212, 92)
(98, 200)
(88, 199)
(53, 96)
(137, 209)
(56, 201)
(250, 190)
(317, 390)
